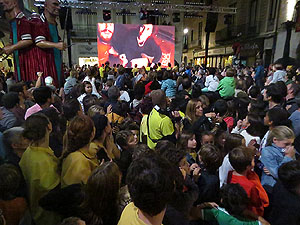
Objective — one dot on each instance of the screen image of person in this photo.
(134, 44)
(105, 50)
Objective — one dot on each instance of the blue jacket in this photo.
(272, 157)
(169, 86)
(259, 73)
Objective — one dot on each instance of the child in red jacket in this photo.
(242, 161)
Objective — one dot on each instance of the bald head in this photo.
(52, 7)
(159, 98)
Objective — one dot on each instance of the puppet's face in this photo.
(145, 32)
(8, 5)
(53, 7)
(106, 30)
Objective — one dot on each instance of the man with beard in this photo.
(21, 39)
(139, 47)
(105, 50)
(47, 40)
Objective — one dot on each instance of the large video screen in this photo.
(135, 44)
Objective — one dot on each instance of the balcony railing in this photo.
(240, 31)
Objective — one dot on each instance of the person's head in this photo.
(187, 140)
(95, 109)
(186, 83)
(164, 145)
(256, 107)
(71, 108)
(139, 91)
(289, 175)
(10, 179)
(88, 101)
(52, 7)
(273, 94)
(212, 71)
(74, 73)
(205, 101)
(72, 221)
(149, 187)
(125, 139)
(177, 157)
(234, 199)
(14, 142)
(220, 138)
(281, 136)
(232, 141)
(194, 110)
(293, 90)
(230, 72)
(87, 87)
(220, 107)
(254, 92)
(102, 194)
(159, 98)
(113, 93)
(211, 157)
(9, 5)
(140, 150)
(102, 126)
(132, 126)
(207, 137)
(10, 100)
(277, 116)
(43, 95)
(21, 89)
(277, 67)
(146, 105)
(242, 159)
(255, 125)
(37, 127)
(241, 85)
(80, 133)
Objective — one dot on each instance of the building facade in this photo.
(256, 31)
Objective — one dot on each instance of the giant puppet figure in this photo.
(47, 40)
(21, 40)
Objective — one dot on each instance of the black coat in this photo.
(286, 207)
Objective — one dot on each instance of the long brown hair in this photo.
(190, 111)
(78, 135)
(183, 139)
(102, 195)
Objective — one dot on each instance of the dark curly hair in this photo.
(35, 127)
(234, 199)
(149, 187)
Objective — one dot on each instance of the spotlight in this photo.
(106, 15)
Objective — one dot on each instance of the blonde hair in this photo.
(190, 111)
(94, 109)
(281, 133)
(204, 100)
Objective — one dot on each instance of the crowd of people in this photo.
(174, 146)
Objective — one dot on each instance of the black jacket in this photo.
(286, 207)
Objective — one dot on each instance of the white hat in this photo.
(48, 81)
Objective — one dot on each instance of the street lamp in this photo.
(185, 31)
